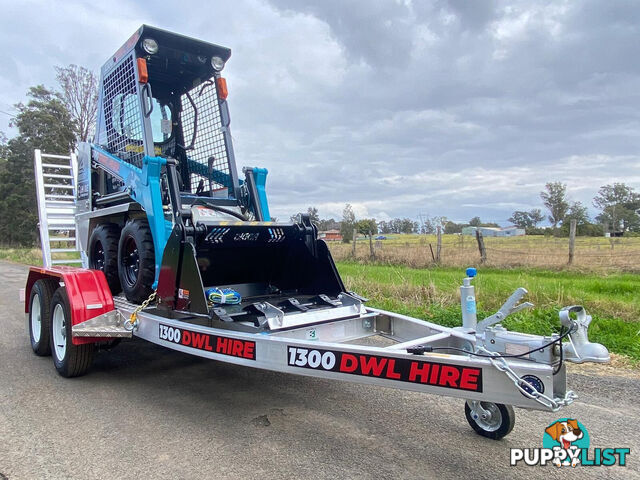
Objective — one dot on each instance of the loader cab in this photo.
(163, 95)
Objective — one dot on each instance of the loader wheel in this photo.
(491, 420)
(70, 360)
(103, 253)
(40, 316)
(136, 261)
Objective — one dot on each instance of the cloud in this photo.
(398, 107)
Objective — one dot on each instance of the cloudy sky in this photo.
(399, 107)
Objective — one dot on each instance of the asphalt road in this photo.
(147, 412)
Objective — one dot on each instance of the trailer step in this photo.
(62, 239)
(107, 325)
(63, 250)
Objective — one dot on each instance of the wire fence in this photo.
(420, 251)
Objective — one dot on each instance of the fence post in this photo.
(353, 247)
(372, 254)
(438, 243)
(483, 251)
(572, 239)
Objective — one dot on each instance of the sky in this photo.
(398, 107)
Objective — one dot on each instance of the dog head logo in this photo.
(565, 433)
(568, 435)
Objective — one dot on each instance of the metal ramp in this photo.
(56, 183)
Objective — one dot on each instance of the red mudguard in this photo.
(87, 290)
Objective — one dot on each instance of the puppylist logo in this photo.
(566, 443)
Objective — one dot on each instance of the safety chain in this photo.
(132, 323)
(553, 403)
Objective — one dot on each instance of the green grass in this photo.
(28, 256)
(613, 300)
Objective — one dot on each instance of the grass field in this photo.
(432, 294)
(591, 253)
(612, 297)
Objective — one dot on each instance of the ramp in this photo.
(56, 183)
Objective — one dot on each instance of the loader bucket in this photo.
(262, 261)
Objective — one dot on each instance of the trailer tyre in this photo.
(136, 261)
(103, 253)
(40, 316)
(491, 420)
(70, 360)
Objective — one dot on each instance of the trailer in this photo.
(172, 247)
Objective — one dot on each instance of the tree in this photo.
(475, 222)
(328, 224)
(4, 150)
(618, 203)
(80, 95)
(555, 199)
(427, 227)
(385, 227)
(536, 216)
(348, 223)
(521, 219)
(452, 227)
(313, 214)
(43, 123)
(524, 219)
(367, 226)
(577, 212)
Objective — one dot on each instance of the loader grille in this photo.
(123, 118)
(209, 160)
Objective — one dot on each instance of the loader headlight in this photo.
(150, 46)
(217, 63)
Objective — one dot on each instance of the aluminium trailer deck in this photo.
(335, 350)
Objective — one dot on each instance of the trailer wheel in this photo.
(103, 253)
(136, 261)
(70, 360)
(39, 315)
(491, 420)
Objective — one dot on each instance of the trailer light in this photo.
(217, 63)
(221, 83)
(150, 46)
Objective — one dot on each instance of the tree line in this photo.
(53, 120)
(369, 226)
(619, 206)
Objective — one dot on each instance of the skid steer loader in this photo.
(159, 199)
